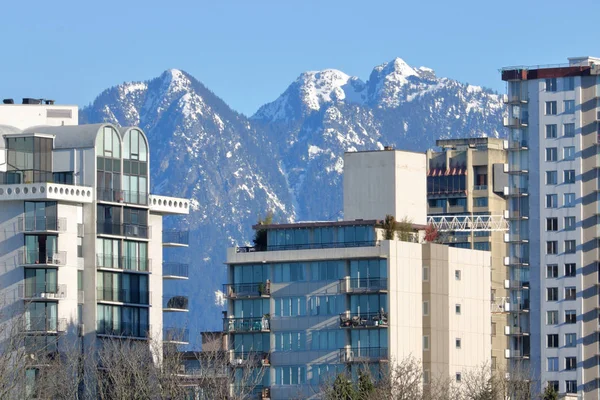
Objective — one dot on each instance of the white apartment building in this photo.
(320, 298)
(81, 237)
(553, 209)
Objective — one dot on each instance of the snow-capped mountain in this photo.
(288, 157)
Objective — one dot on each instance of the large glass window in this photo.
(290, 306)
(369, 338)
(330, 339)
(321, 237)
(289, 272)
(326, 305)
(135, 256)
(108, 151)
(109, 220)
(250, 308)
(40, 280)
(29, 160)
(40, 216)
(109, 253)
(290, 341)
(245, 342)
(41, 316)
(253, 273)
(41, 249)
(135, 168)
(295, 375)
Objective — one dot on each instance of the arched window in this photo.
(108, 160)
(108, 143)
(135, 167)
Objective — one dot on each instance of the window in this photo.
(480, 202)
(295, 375)
(552, 271)
(569, 223)
(493, 329)
(552, 317)
(552, 341)
(569, 200)
(425, 274)
(457, 275)
(551, 108)
(425, 308)
(570, 293)
(569, 106)
(551, 177)
(570, 246)
(289, 272)
(570, 270)
(290, 307)
(554, 385)
(457, 202)
(570, 317)
(457, 309)
(551, 247)
(551, 131)
(325, 305)
(551, 200)
(551, 85)
(458, 343)
(569, 130)
(569, 176)
(426, 343)
(290, 341)
(571, 386)
(570, 363)
(551, 153)
(552, 224)
(552, 364)
(552, 294)
(569, 83)
(327, 339)
(458, 377)
(484, 246)
(570, 339)
(569, 153)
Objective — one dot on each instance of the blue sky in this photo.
(247, 52)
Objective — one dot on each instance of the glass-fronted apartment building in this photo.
(553, 205)
(82, 242)
(319, 298)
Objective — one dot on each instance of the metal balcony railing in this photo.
(175, 237)
(242, 358)
(247, 290)
(109, 194)
(48, 257)
(364, 320)
(363, 354)
(173, 270)
(176, 335)
(175, 303)
(259, 324)
(42, 291)
(124, 296)
(133, 197)
(123, 329)
(362, 285)
(42, 224)
(44, 324)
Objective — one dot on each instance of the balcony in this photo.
(516, 354)
(244, 358)
(257, 392)
(247, 290)
(123, 329)
(363, 354)
(36, 258)
(46, 191)
(512, 122)
(173, 270)
(516, 261)
(124, 296)
(40, 344)
(480, 187)
(175, 303)
(117, 229)
(363, 285)
(176, 238)
(307, 246)
(123, 196)
(165, 205)
(110, 261)
(44, 291)
(515, 331)
(42, 224)
(518, 145)
(516, 285)
(516, 191)
(364, 320)
(176, 335)
(513, 99)
(236, 325)
(515, 215)
(44, 325)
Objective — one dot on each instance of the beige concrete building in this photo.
(319, 298)
(467, 177)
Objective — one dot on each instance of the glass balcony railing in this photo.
(247, 290)
(42, 224)
(42, 291)
(48, 257)
(176, 335)
(243, 358)
(364, 320)
(45, 324)
(253, 324)
(307, 246)
(123, 296)
(363, 354)
(118, 229)
(122, 329)
(175, 303)
(123, 262)
(363, 285)
(122, 196)
(173, 270)
(175, 237)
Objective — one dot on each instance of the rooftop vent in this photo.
(388, 148)
(8, 101)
